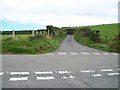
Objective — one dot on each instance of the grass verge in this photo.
(26, 44)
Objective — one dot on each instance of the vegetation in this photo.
(27, 44)
(103, 37)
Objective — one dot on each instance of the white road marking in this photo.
(1, 73)
(63, 72)
(96, 53)
(111, 74)
(73, 53)
(72, 77)
(106, 53)
(118, 69)
(106, 70)
(64, 77)
(97, 75)
(50, 54)
(19, 79)
(46, 78)
(68, 77)
(87, 71)
(47, 72)
(19, 73)
(85, 53)
(114, 53)
(62, 53)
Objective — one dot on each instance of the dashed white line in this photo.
(1, 73)
(97, 75)
(96, 53)
(46, 78)
(87, 71)
(47, 72)
(105, 53)
(118, 69)
(72, 77)
(111, 74)
(85, 53)
(63, 72)
(62, 53)
(73, 53)
(18, 73)
(69, 77)
(106, 70)
(114, 53)
(19, 79)
(64, 77)
(50, 54)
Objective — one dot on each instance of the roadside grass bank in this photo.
(27, 44)
(103, 37)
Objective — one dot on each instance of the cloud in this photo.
(59, 12)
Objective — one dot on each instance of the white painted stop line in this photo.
(19, 73)
(46, 78)
(85, 53)
(106, 53)
(111, 74)
(87, 71)
(96, 53)
(63, 72)
(97, 75)
(114, 53)
(62, 53)
(73, 53)
(1, 73)
(106, 70)
(47, 72)
(19, 79)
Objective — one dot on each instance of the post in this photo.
(48, 33)
(33, 33)
(37, 32)
(13, 33)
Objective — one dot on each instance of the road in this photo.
(71, 66)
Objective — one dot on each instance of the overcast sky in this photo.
(35, 14)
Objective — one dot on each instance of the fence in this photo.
(23, 32)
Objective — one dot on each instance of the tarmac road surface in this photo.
(71, 66)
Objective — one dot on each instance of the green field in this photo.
(109, 30)
(107, 40)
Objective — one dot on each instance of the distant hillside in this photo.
(109, 30)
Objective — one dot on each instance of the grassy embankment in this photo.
(107, 40)
(26, 44)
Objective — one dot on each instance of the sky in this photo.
(36, 14)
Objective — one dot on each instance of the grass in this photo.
(109, 30)
(26, 44)
(107, 44)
